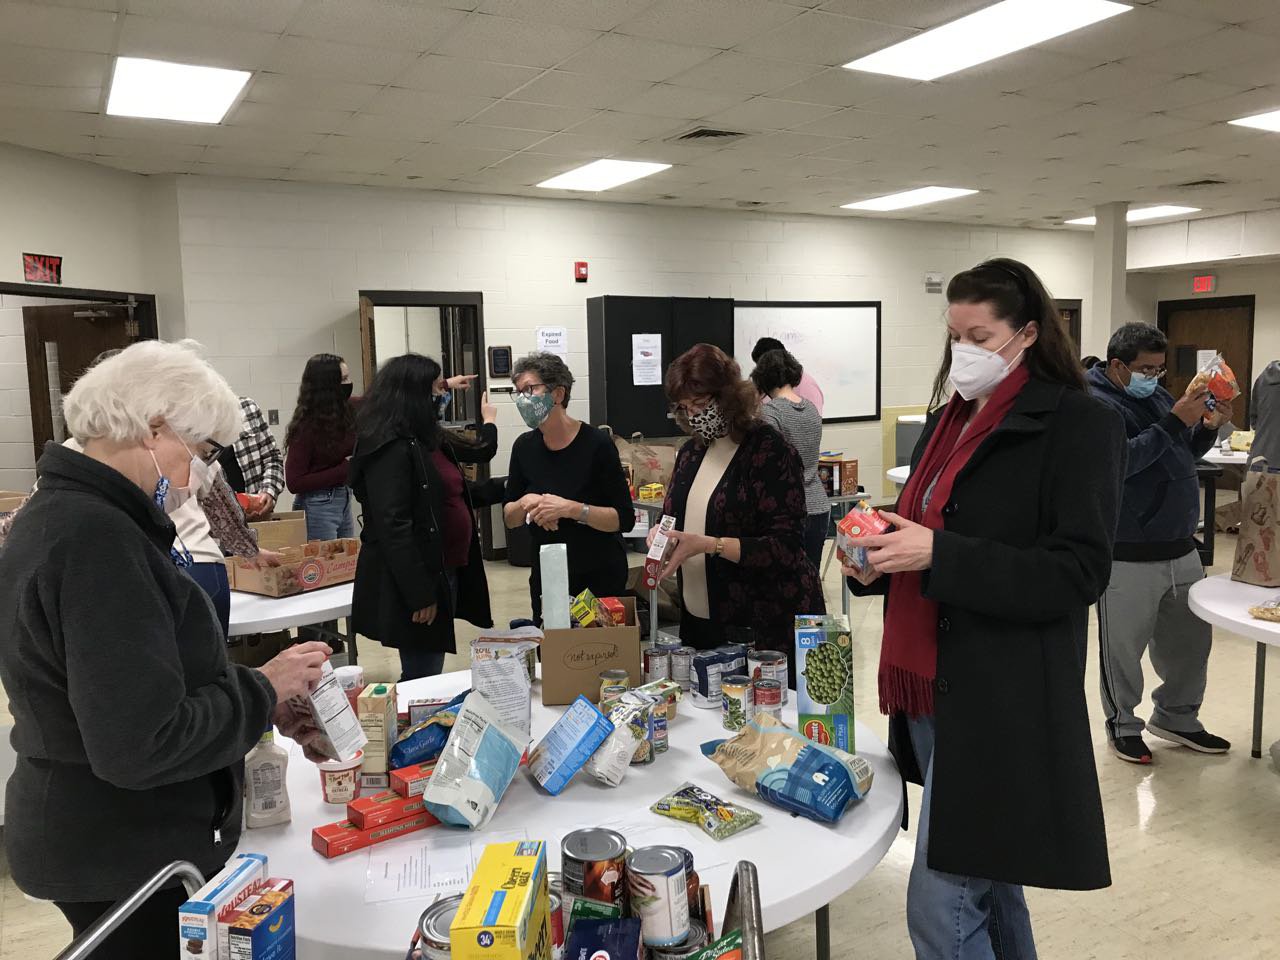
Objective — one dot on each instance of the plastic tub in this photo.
(340, 779)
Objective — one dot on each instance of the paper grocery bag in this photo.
(1257, 559)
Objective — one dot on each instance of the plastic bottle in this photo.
(266, 783)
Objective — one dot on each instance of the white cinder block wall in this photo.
(271, 270)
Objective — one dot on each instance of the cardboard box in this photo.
(376, 709)
(568, 745)
(333, 716)
(263, 928)
(856, 525)
(839, 476)
(411, 781)
(335, 839)
(572, 659)
(366, 813)
(320, 563)
(848, 477)
(825, 713)
(281, 530)
(198, 917)
(505, 913)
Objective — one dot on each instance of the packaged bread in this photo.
(1217, 377)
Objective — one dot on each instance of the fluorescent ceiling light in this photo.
(603, 175)
(993, 32)
(1262, 121)
(1136, 216)
(161, 90)
(910, 198)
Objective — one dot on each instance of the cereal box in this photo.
(263, 927)
(198, 917)
(824, 687)
(505, 913)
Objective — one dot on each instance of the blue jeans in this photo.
(212, 579)
(416, 662)
(328, 513)
(950, 917)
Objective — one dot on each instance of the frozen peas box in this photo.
(824, 685)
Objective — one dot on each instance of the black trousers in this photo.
(150, 932)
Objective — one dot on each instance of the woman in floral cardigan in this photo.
(737, 494)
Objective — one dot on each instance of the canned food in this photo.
(615, 676)
(705, 680)
(557, 925)
(737, 702)
(433, 928)
(768, 697)
(693, 944)
(659, 895)
(734, 656)
(593, 866)
(682, 666)
(668, 645)
(661, 712)
(657, 665)
(610, 695)
(693, 879)
(769, 665)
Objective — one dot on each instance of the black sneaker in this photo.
(1201, 742)
(1131, 749)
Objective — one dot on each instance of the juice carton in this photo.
(657, 552)
(858, 523)
(377, 711)
(824, 687)
(505, 913)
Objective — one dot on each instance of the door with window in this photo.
(62, 342)
(1197, 329)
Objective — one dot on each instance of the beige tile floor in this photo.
(1195, 847)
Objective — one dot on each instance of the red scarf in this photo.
(909, 653)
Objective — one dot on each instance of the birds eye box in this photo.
(824, 685)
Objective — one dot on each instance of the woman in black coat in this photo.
(420, 564)
(1003, 543)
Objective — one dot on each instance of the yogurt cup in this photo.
(340, 779)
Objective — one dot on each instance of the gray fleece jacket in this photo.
(130, 725)
(1264, 414)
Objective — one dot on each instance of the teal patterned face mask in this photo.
(536, 408)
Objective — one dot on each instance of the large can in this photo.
(768, 665)
(615, 677)
(657, 664)
(682, 666)
(593, 866)
(659, 895)
(695, 943)
(694, 881)
(433, 929)
(737, 701)
(734, 656)
(704, 691)
(768, 697)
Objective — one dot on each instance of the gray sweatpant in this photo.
(1145, 607)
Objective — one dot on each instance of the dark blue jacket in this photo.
(1161, 506)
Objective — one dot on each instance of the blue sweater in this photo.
(1161, 506)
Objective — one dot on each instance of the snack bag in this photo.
(605, 939)
(858, 523)
(422, 742)
(790, 772)
(632, 720)
(476, 766)
(728, 947)
(1221, 382)
(505, 681)
(717, 818)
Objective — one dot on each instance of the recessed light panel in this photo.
(993, 32)
(1262, 121)
(1137, 216)
(909, 198)
(159, 90)
(603, 175)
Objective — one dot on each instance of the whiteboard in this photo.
(837, 343)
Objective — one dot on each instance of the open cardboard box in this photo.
(312, 566)
(280, 530)
(11, 500)
(572, 659)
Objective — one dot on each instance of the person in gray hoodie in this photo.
(1264, 415)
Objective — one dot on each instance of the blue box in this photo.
(568, 745)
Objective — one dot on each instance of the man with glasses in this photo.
(1155, 559)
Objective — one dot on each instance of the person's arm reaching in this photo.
(1149, 445)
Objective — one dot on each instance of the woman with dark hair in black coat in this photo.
(420, 564)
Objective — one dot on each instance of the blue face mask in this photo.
(1140, 386)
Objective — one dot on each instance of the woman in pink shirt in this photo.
(806, 389)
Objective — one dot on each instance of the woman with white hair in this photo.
(130, 725)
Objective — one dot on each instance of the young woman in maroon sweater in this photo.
(318, 447)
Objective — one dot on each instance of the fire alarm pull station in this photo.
(580, 271)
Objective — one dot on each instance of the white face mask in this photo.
(976, 372)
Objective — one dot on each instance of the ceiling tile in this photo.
(116, 147)
(1143, 29)
(231, 156)
(167, 131)
(1233, 12)
(208, 46)
(533, 116)
(417, 106)
(83, 99)
(839, 87)
(63, 28)
(270, 17)
(825, 39)
(394, 127)
(440, 160)
(473, 77)
(559, 88)
(288, 118)
(494, 138)
(504, 40)
(51, 141)
(249, 138)
(376, 23)
(764, 113)
(1105, 82)
(296, 56)
(530, 167)
(668, 100)
(364, 147)
(920, 14)
(56, 68)
(1270, 25)
(591, 14)
(654, 60)
(612, 123)
(1208, 52)
(1247, 104)
(1022, 71)
(244, 171)
(738, 73)
(345, 164)
(851, 123)
(709, 23)
(297, 92)
(1182, 92)
(587, 146)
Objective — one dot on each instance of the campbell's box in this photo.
(365, 813)
(311, 566)
(227, 889)
(334, 839)
(824, 684)
(657, 552)
(410, 781)
(262, 928)
(506, 912)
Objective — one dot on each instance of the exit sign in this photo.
(41, 268)
(1206, 283)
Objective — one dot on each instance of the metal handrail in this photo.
(84, 945)
(743, 912)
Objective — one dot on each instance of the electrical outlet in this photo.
(273, 417)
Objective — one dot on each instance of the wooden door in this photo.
(1221, 324)
(1070, 310)
(368, 346)
(62, 342)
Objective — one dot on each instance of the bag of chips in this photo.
(790, 771)
(717, 818)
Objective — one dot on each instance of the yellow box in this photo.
(653, 492)
(505, 913)
(585, 610)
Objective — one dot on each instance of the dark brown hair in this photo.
(707, 371)
(1018, 297)
(323, 409)
(776, 369)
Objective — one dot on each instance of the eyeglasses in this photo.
(533, 389)
(211, 455)
(1149, 371)
(691, 407)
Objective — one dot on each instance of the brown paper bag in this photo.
(652, 460)
(1257, 559)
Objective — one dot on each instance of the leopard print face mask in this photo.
(710, 424)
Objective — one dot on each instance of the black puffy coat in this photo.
(1025, 551)
(401, 565)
